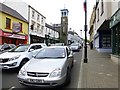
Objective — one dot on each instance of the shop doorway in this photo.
(13, 41)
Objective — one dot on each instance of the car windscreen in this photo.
(0, 46)
(20, 48)
(51, 53)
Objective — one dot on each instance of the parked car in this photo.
(18, 56)
(59, 44)
(75, 47)
(50, 67)
(6, 47)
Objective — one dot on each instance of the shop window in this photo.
(106, 41)
(8, 23)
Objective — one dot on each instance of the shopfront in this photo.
(12, 38)
(115, 29)
(36, 39)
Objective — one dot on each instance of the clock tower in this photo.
(64, 26)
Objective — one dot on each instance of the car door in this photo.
(69, 56)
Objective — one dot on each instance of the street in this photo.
(9, 79)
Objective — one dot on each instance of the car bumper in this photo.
(9, 65)
(45, 82)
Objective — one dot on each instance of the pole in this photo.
(85, 27)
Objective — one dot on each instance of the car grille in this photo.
(36, 74)
(4, 60)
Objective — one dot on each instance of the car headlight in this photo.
(55, 73)
(13, 58)
(22, 71)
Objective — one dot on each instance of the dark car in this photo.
(6, 47)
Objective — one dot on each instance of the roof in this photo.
(10, 11)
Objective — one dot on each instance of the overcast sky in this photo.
(51, 10)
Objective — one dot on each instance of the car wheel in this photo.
(68, 77)
(23, 62)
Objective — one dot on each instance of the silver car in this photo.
(50, 67)
(75, 47)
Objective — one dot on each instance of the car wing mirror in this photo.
(33, 56)
(31, 50)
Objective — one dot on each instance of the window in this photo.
(42, 27)
(64, 30)
(98, 14)
(32, 25)
(42, 20)
(36, 47)
(33, 14)
(102, 7)
(38, 17)
(38, 27)
(8, 23)
(20, 27)
(106, 41)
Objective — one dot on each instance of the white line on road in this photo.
(75, 60)
(11, 88)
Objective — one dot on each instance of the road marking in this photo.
(109, 74)
(100, 73)
(75, 60)
(11, 88)
(102, 65)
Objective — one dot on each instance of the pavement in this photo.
(99, 72)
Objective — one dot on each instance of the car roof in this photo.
(57, 46)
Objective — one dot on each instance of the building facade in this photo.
(13, 26)
(36, 26)
(115, 29)
(91, 31)
(51, 34)
(36, 20)
(73, 37)
(102, 32)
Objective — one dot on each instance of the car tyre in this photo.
(23, 62)
(68, 77)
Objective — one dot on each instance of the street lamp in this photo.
(85, 28)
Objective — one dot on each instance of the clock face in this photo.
(63, 19)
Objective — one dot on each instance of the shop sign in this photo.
(13, 35)
(115, 19)
(16, 27)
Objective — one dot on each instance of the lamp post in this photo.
(85, 28)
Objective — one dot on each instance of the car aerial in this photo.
(75, 47)
(6, 47)
(18, 56)
(50, 67)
